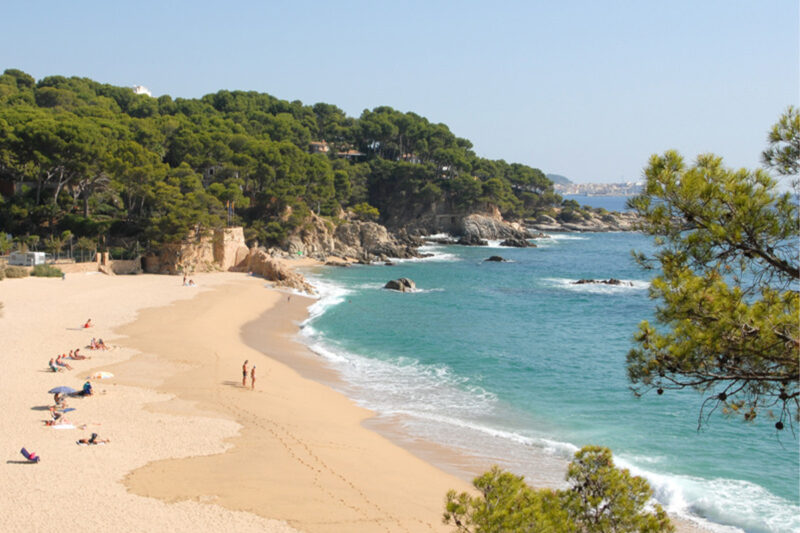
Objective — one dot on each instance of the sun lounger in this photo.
(30, 456)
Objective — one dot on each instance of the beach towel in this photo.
(62, 426)
(30, 456)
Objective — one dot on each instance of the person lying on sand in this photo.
(101, 344)
(60, 362)
(93, 440)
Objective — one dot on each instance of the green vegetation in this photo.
(101, 166)
(16, 272)
(46, 271)
(601, 498)
(727, 246)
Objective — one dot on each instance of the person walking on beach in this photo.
(253, 377)
(244, 374)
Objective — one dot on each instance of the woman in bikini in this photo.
(244, 374)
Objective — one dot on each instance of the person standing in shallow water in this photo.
(253, 377)
(244, 374)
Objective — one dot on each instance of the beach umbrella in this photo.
(101, 375)
(62, 390)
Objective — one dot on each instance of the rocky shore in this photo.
(357, 241)
(587, 222)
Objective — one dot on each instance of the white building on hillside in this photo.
(141, 89)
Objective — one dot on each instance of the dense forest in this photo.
(111, 168)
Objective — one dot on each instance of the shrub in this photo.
(600, 498)
(16, 272)
(46, 271)
(366, 212)
(2, 274)
(569, 215)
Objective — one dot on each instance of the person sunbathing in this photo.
(59, 362)
(76, 356)
(101, 344)
(93, 440)
(56, 417)
(53, 366)
(88, 323)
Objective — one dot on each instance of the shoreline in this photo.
(300, 441)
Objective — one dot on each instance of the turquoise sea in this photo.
(513, 363)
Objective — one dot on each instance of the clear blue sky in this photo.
(588, 89)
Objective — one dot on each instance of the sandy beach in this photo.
(296, 456)
(191, 449)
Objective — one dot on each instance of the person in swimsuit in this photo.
(244, 374)
(253, 377)
(93, 440)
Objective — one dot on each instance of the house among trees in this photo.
(410, 158)
(351, 154)
(318, 147)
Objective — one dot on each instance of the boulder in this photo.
(401, 284)
(518, 243)
(496, 259)
(472, 240)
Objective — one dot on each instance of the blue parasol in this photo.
(63, 390)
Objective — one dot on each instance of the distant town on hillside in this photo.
(563, 185)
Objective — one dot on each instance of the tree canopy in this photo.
(727, 318)
(106, 163)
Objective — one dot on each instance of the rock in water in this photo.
(402, 285)
(496, 259)
(518, 243)
(610, 281)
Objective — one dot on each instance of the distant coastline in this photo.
(626, 188)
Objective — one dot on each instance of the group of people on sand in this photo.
(59, 363)
(188, 283)
(59, 407)
(97, 344)
(252, 375)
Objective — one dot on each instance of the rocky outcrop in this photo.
(229, 248)
(610, 281)
(591, 222)
(356, 240)
(518, 243)
(472, 240)
(402, 285)
(495, 259)
(261, 263)
(492, 227)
